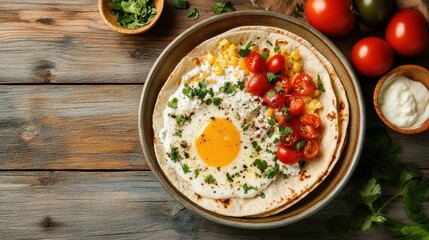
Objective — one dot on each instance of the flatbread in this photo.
(282, 193)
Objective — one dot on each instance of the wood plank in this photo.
(68, 42)
(130, 205)
(58, 127)
(70, 127)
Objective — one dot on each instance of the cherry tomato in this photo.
(407, 34)
(285, 84)
(310, 119)
(295, 104)
(274, 99)
(288, 155)
(331, 17)
(290, 139)
(276, 63)
(374, 13)
(258, 84)
(307, 131)
(303, 84)
(254, 62)
(372, 56)
(311, 149)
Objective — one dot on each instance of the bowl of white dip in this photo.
(401, 99)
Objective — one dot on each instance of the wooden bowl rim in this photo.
(402, 70)
(159, 5)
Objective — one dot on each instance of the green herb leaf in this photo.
(217, 101)
(185, 168)
(265, 55)
(300, 144)
(261, 165)
(209, 179)
(246, 188)
(271, 121)
(193, 12)
(272, 172)
(271, 77)
(271, 94)
(240, 85)
(178, 133)
(173, 103)
(175, 155)
(196, 173)
(133, 13)
(279, 89)
(180, 4)
(229, 177)
(320, 84)
(284, 130)
(180, 120)
(269, 43)
(262, 195)
(243, 52)
(228, 88)
(222, 7)
(276, 48)
(188, 91)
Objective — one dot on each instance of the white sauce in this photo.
(404, 102)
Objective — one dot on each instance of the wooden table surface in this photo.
(71, 165)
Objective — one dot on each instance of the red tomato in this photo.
(285, 84)
(303, 84)
(295, 104)
(274, 99)
(254, 62)
(310, 119)
(288, 155)
(276, 63)
(372, 56)
(290, 139)
(407, 34)
(258, 84)
(311, 149)
(307, 131)
(331, 17)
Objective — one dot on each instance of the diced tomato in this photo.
(258, 84)
(274, 99)
(311, 119)
(295, 104)
(303, 84)
(288, 155)
(285, 84)
(307, 131)
(254, 62)
(311, 149)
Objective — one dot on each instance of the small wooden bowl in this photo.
(414, 72)
(110, 19)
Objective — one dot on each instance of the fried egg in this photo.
(218, 138)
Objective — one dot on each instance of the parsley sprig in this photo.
(381, 160)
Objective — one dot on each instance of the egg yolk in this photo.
(219, 143)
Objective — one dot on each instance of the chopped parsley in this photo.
(183, 143)
(261, 165)
(256, 146)
(185, 168)
(229, 177)
(271, 94)
(320, 84)
(276, 140)
(222, 7)
(243, 52)
(196, 172)
(178, 133)
(246, 188)
(269, 43)
(272, 172)
(265, 55)
(262, 195)
(270, 133)
(245, 127)
(175, 155)
(271, 121)
(271, 77)
(217, 101)
(269, 151)
(180, 120)
(132, 14)
(300, 144)
(209, 179)
(228, 88)
(279, 89)
(180, 4)
(173, 103)
(284, 131)
(193, 12)
(276, 48)
(188, 91)
(240, 85)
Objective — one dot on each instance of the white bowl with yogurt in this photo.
(401, 99)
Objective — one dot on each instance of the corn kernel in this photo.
(224, 43)
(295, 56)
(210, 58)
(283, 51)
(291, 74)
(306, 99)
(316, 93)
(232, 50)
(297, 66)
(234, 61)
(218, 70)
(288, 63)
(269, 112)
(211, 81)
(254, 48)
(242, 64)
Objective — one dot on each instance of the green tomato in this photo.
(374, 13)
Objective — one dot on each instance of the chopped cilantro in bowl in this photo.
(133, 14)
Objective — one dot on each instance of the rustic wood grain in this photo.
(127, 205)
(70, 127)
